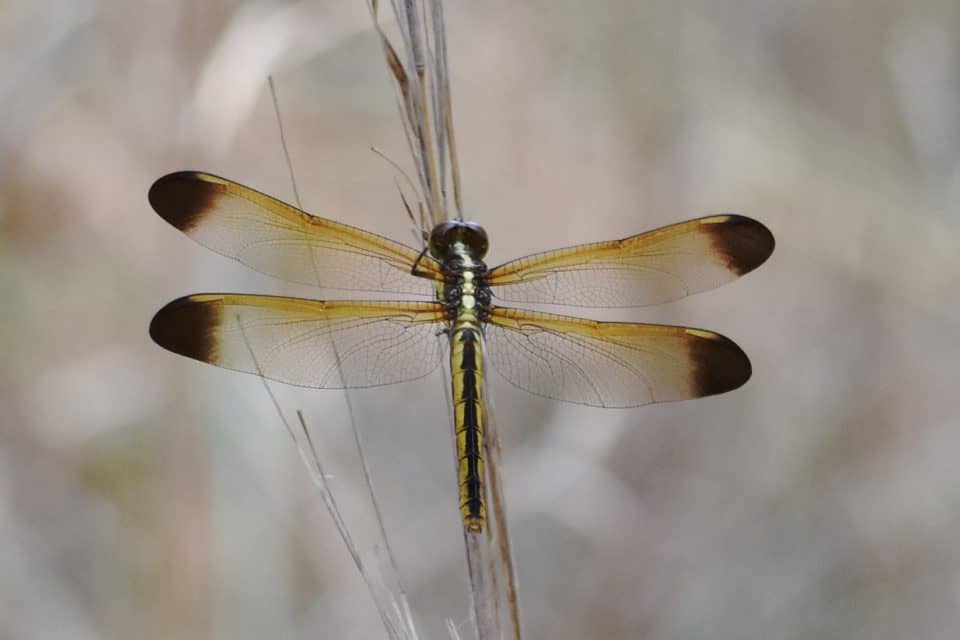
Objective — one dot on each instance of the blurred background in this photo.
(145, 495)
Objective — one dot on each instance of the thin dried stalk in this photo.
(502, 570)
(444, 121)
(423, 87)
(423, 97)
(379, 574)
(378, 570)
(377, 564)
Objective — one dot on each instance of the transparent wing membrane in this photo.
(299, 341)
(279, 240)
(335, 344)
(649, 268)
(610, 364)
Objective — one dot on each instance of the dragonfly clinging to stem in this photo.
(335, 344)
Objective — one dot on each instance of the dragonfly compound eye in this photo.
(447, 236)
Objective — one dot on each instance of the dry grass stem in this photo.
(377, 564)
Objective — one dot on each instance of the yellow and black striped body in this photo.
(466, 365)
(461, 247)
(467, 302)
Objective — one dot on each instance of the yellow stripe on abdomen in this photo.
(466, 365)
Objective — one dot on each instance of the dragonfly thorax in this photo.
(466, 289)
(460, 247)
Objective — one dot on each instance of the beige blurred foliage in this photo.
(143, 495)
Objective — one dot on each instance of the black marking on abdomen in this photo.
(470, 430)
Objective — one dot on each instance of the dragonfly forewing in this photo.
(649, 268)
(280, 240)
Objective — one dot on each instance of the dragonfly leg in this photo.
(416, 263)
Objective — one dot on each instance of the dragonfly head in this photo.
(446, 235)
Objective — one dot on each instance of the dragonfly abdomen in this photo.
(461, 246)
(466, 365)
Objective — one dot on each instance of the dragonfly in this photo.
(336, 344)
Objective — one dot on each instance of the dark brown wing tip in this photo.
(743, 243)
(183, 197)
(187, 326)
(719, 365)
